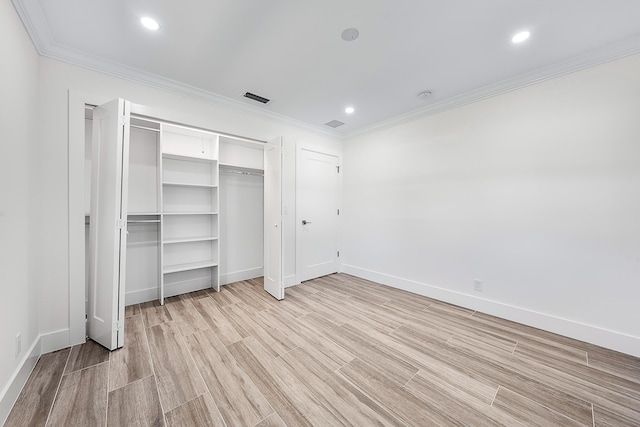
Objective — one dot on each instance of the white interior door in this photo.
(316, 213)
(108, 228)
(273, 282)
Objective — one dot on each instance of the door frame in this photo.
(300, 145)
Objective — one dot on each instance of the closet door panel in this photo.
(88, 138)
(273, 282)
(108, 232)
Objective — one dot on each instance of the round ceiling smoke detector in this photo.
(350, 34)
(424, 95)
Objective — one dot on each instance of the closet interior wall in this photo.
(239, 247)
(241, 210)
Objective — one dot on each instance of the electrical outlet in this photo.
(477, 285)
(18, 344)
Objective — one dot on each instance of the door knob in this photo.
(305, 222)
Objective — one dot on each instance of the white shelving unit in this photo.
(189, 200)
(188, 228)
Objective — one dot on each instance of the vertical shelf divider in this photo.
(161, 228)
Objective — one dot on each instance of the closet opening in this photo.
(195, 209)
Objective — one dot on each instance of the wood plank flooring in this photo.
(337, 351)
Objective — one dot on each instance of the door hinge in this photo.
(338, 211)
(338, 167)
(117, 326)
(123, 121)
(121, 224)
(338, 254)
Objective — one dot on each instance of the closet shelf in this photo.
(188, 240)
(188, 266)
(143, 221)
(187, 158)
(228, 167)
(190, 213)
(186, 184)
(143, 213)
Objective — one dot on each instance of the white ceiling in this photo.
(291, 52)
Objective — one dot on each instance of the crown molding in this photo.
(611, 52)
(35, 23)
(94, 63)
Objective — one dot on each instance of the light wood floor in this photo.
(337, 351)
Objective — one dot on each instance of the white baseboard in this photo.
(140, 296)
(592, 334)
(178, 288)
(53, 341)
(17, 381)
(290, 281)
(237, 276)
(171, 289)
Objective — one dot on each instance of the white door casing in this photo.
(108, 227)
(317, 193)
(273, 270)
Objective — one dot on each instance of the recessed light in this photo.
(349, 110)
(150, 23)
(521, 36)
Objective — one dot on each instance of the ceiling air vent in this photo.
(256, 97)
(334, 123)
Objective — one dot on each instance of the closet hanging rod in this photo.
(240, 172)
(144, 128)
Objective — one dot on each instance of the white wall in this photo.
(535, 192)
(57, 79)
(18, 202)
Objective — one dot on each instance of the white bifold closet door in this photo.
(108, 227)
(273, 280)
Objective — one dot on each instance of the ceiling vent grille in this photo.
(334, 123)
(255, 97)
